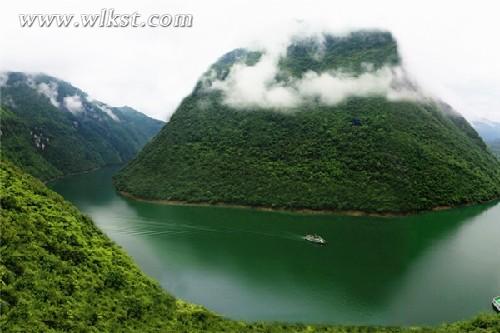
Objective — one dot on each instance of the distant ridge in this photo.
(51, 128)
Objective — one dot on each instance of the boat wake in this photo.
(151, 227)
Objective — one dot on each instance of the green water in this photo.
(253, 265)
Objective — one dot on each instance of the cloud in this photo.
(333, 87)
(109, 112)
(157, 68)
(103, 107)
(248, 86)
(49, 90)
(73, 103)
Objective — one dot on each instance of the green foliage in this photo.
(351, 53)
(403, 157)
(49, 141)
(368, 154)
(347, 53)
(17, 145)
(59, 273)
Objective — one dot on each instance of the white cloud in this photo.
(109, 112)
(157, 67)
(49, 90)
(333, 87)
(256, 85)
(248, 86)
(73, 103)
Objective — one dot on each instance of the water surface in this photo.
(254, 265)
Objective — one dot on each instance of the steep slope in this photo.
(332, 123)
(51, 128)
(59, 273)
(490, 132)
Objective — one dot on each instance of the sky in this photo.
(450, 48)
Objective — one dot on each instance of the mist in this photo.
(73, 103)
(50, 91)
(451, 53)
(257, 86)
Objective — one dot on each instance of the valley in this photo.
(373, 270)
(306, 185)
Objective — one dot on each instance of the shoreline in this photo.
(69, 175)
(77, 173)
(303, 211)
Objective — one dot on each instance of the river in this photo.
(253, 265)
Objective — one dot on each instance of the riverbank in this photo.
(79, 173)
(259, 259)
(304, 211)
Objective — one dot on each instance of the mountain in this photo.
(490, 132)
(51, 128)
(328, 123)
(60, 273)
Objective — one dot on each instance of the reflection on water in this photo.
(253, 265)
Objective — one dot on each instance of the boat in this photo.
(315, 239)
(496, 303)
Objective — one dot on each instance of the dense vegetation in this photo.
(51, 128)
(348, 54)
(59, 273)
(366, 153)
(336, 52)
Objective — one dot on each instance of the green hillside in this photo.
(368, 151)
(51, 128)
(59, 273)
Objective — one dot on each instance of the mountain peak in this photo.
(319, 68)
(329, 122)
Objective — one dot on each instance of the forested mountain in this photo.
(329, 123)
(60, 273)
(50, 128)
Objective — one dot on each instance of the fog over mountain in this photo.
(451, 53)
(332, 123)
(248, 86)
(51, 128)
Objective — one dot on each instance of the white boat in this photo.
(315, 239)
(496, 303)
